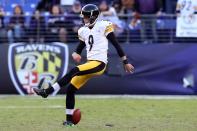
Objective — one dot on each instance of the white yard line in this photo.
(145, 97)
(157, 97)
(32, 107)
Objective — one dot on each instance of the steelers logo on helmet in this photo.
(89, 13)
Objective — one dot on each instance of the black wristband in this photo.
(125, 62)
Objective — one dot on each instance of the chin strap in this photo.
(88, 24)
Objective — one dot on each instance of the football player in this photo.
(94, 35)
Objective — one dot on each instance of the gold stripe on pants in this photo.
(87, 71)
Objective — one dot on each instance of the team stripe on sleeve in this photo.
(109, 29)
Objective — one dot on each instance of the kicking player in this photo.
(94, 35)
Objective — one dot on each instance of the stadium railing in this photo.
(158, 29)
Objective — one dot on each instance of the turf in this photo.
(113, 114)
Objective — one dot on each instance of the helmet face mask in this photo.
(89, 14)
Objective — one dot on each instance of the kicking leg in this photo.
(56, 86)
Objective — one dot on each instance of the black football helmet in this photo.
(91, 12)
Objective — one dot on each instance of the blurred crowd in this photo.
(52, 22)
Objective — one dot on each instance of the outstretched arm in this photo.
(127, 66)
(77, 54)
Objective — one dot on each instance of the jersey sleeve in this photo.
(80, 34)
(108, 27)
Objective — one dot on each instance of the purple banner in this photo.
(159, 69)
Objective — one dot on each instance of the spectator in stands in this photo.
(109, 13)
(37, 28)
(63, 35)
(56, 24)
(124, 7)
(151, 8)
(125, 11)
(84, 2)
(46, 5)
(73, 21)
(3, 37)
(16, 27)
(76, 8)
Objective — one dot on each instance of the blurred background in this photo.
(38, 36)
(41, 19)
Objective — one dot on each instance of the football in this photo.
(76, 116)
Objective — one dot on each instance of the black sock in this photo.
(65, 80)
(70, 100)
(49, 90)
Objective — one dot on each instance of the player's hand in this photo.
(76, 57)
(129, 68)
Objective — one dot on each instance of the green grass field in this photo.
(98, 114)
